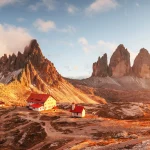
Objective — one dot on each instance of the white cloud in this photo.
(8, 2)
(83, 41)
(99, 6)
(13, 39)
(49, 4)
(44, 26)
(21, 19)
(85, 45)
(99, 46)
(107, 45)
(72, 9)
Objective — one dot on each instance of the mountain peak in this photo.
(100, 67)
(33, 48)
(143, 51)
(36, 69)
(121, 46)
(120, 62)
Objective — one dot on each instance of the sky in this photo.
(74, 33)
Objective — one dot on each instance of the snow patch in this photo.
(9, 77)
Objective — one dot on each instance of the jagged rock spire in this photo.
(100, 68)
(120, 62)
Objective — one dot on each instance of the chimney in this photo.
(73, 106)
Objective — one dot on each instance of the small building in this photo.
(77, 111)
(40, 102)
(2, 104)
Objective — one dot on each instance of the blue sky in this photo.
(73, 33)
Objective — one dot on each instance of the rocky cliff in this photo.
(119, 65)
(100, 68)
(120, 62)
(29, 68)
(141, 66)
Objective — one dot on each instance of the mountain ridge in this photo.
(120, 65)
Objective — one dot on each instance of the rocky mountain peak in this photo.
(34, 48)
(143, 51)
(120, 62)
(30, 68)
(141, 66)
(100, 68)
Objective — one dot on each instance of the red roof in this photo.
(38, 98)
(1, 103)
(36, 105)
(78, 109)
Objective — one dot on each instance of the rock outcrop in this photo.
(100, 68)
(120, 62)
(141, 66)
(119, 65)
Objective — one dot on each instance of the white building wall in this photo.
(39, 109)
(79, 114)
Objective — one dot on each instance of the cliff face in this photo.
(100, 68)
(119, 65)
(33, 68)
(141, 66)
(120, 62)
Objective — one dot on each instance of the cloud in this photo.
(83, 41)
(13, 39)
(72, 9)
(21, 19)
(44, 26)
(49, 4)
(8, 2)
(99, 46)
(85, 45)
(107, 45)
(99, 6)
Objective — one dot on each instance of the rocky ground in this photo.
(110, 126)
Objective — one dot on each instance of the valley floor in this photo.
(101, 129)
